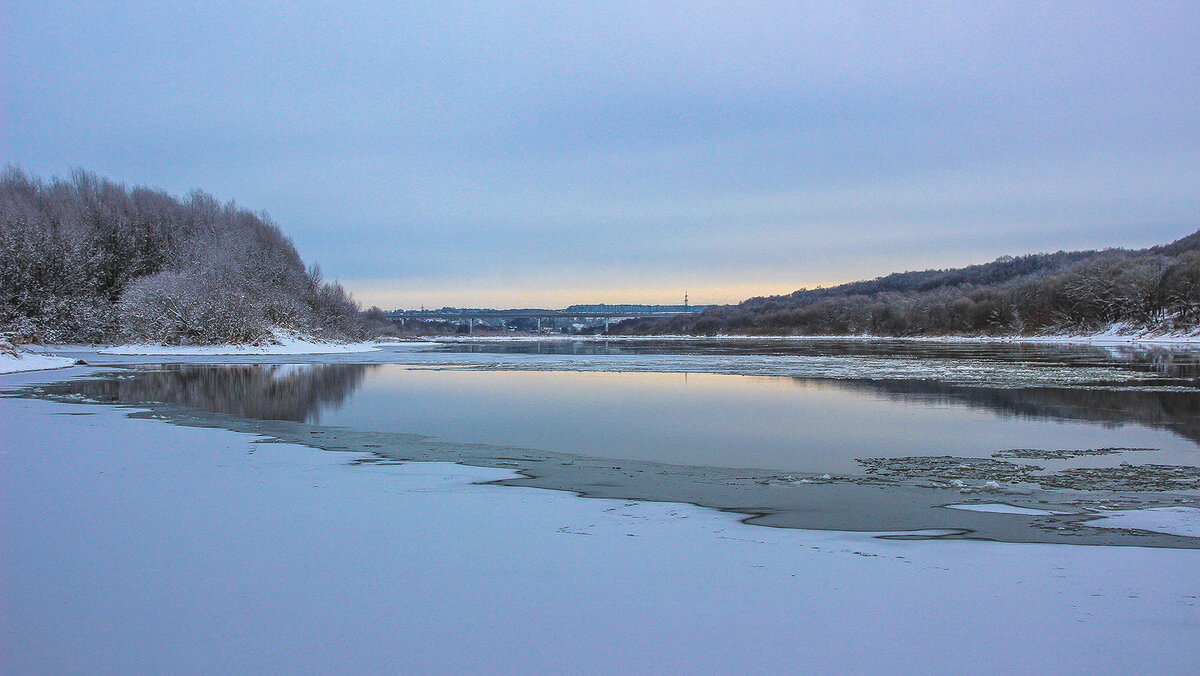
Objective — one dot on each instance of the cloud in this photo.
(601, 149)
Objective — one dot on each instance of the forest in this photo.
(88, 260)
(1153, 289)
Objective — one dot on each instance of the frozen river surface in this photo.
(824, 408)
(135, 546)
(129, 545)
(899, 428)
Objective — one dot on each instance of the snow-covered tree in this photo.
(86, 259)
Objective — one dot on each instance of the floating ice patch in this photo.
(408, 344)
(1001, 508)
(1170, 520)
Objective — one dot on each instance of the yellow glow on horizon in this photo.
(391, 294)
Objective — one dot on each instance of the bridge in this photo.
(574, 314)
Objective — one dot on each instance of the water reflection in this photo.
(1176, 410)
(703, 419)
(296, 392)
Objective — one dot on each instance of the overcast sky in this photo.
(477, 154)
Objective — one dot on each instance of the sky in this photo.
(543, 154)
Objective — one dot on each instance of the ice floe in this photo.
(1001, 508)
(1170, 520)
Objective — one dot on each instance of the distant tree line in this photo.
(1156, 288)
(88, 260)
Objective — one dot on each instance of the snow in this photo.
(407, 344)
(1121, 334)
(30, 361)
(134, 546)
(1171, 520)
(1001, 508)
(281, 343)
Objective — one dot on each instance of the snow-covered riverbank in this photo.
(43, 357)
(27, 361)
(131, 545)
(17, 360)
(280, 343)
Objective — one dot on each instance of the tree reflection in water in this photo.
(296, 392)
(1174, 410)
(299, 392)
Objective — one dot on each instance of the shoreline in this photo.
(318, 348)
(28, 362)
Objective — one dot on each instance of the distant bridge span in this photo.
(529, 314)
(577, 314)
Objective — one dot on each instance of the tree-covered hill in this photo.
(89, 260)
(1155, 289)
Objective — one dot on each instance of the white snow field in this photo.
(136, 546)
(30, 361)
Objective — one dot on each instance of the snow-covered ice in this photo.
(135, 546)
(1001, 508)
(867, 366)
(1170, 520)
